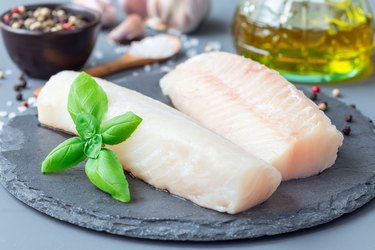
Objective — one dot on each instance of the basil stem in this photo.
(64, 156)
(93, 146)
(87, 125)
(106, 173)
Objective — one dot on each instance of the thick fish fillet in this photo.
(257, 109)
(170, 151)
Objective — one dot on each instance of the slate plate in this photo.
(155, 214)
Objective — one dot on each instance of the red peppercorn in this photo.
(16, 10)
(315, 89)
(6, 18)
(67, 26)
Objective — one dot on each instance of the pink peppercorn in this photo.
(315, 89)
(67, 26)
(16, 10)
(6, 18)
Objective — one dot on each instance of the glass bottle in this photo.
(306, 41)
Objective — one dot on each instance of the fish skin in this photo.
(256, 108)
(170, 151)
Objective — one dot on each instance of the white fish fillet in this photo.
(170, 151)
(257, 109)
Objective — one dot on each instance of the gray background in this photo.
(23, 228)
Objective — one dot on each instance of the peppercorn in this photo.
(17, 87)
(25, 104)
(313, 96)
(19, 97)
(346, 131)
(315, 89)
(23, 84)
(336, 92)
(348, 118)
(323, 106)
(352, 106)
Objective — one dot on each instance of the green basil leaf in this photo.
(93, 146)
(64, 156)
(106, 173)
(87, 125)
(119, 128)
(86, 96)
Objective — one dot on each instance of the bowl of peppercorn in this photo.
(44, 39)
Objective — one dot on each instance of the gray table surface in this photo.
(24, 228)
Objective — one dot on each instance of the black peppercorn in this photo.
(346, 130)
(19, 97)
(348, 118)
(313, 96)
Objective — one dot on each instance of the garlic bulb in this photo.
(104, 7)
(131, 28)
(134, 7)
(182, 15)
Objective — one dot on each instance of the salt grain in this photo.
(21, 109)
(121, 50)
(194, 42)
(31, 101)
(159, 46)
(1, 74)
(1, 125)
(191, 52)
(165, 69)
(3, 114)
(11, 115)
(9, 103)
(135, 74)
(212, 46)
(147, 68)
(8, 72)
(98, 54)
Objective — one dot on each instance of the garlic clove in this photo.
(182, 15)
(131, 28)
(134, 7)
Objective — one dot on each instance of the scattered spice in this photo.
(19, 97)
(17, 88)
(25, 104)
(346, 131)
(315, 89)
(352, 106)
(323, 106)
(313, 96)
(336, 92)
(2, 74)
(370, 121)
(42, 19)
(349, 118)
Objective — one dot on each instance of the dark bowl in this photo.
(41, 54)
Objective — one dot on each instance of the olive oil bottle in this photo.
(306, 41)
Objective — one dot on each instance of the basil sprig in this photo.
(87, 105)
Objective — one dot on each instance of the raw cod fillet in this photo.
(257, 109)
(170, 151)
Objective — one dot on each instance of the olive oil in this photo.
(308, 49)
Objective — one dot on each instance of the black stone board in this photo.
(155, 214)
